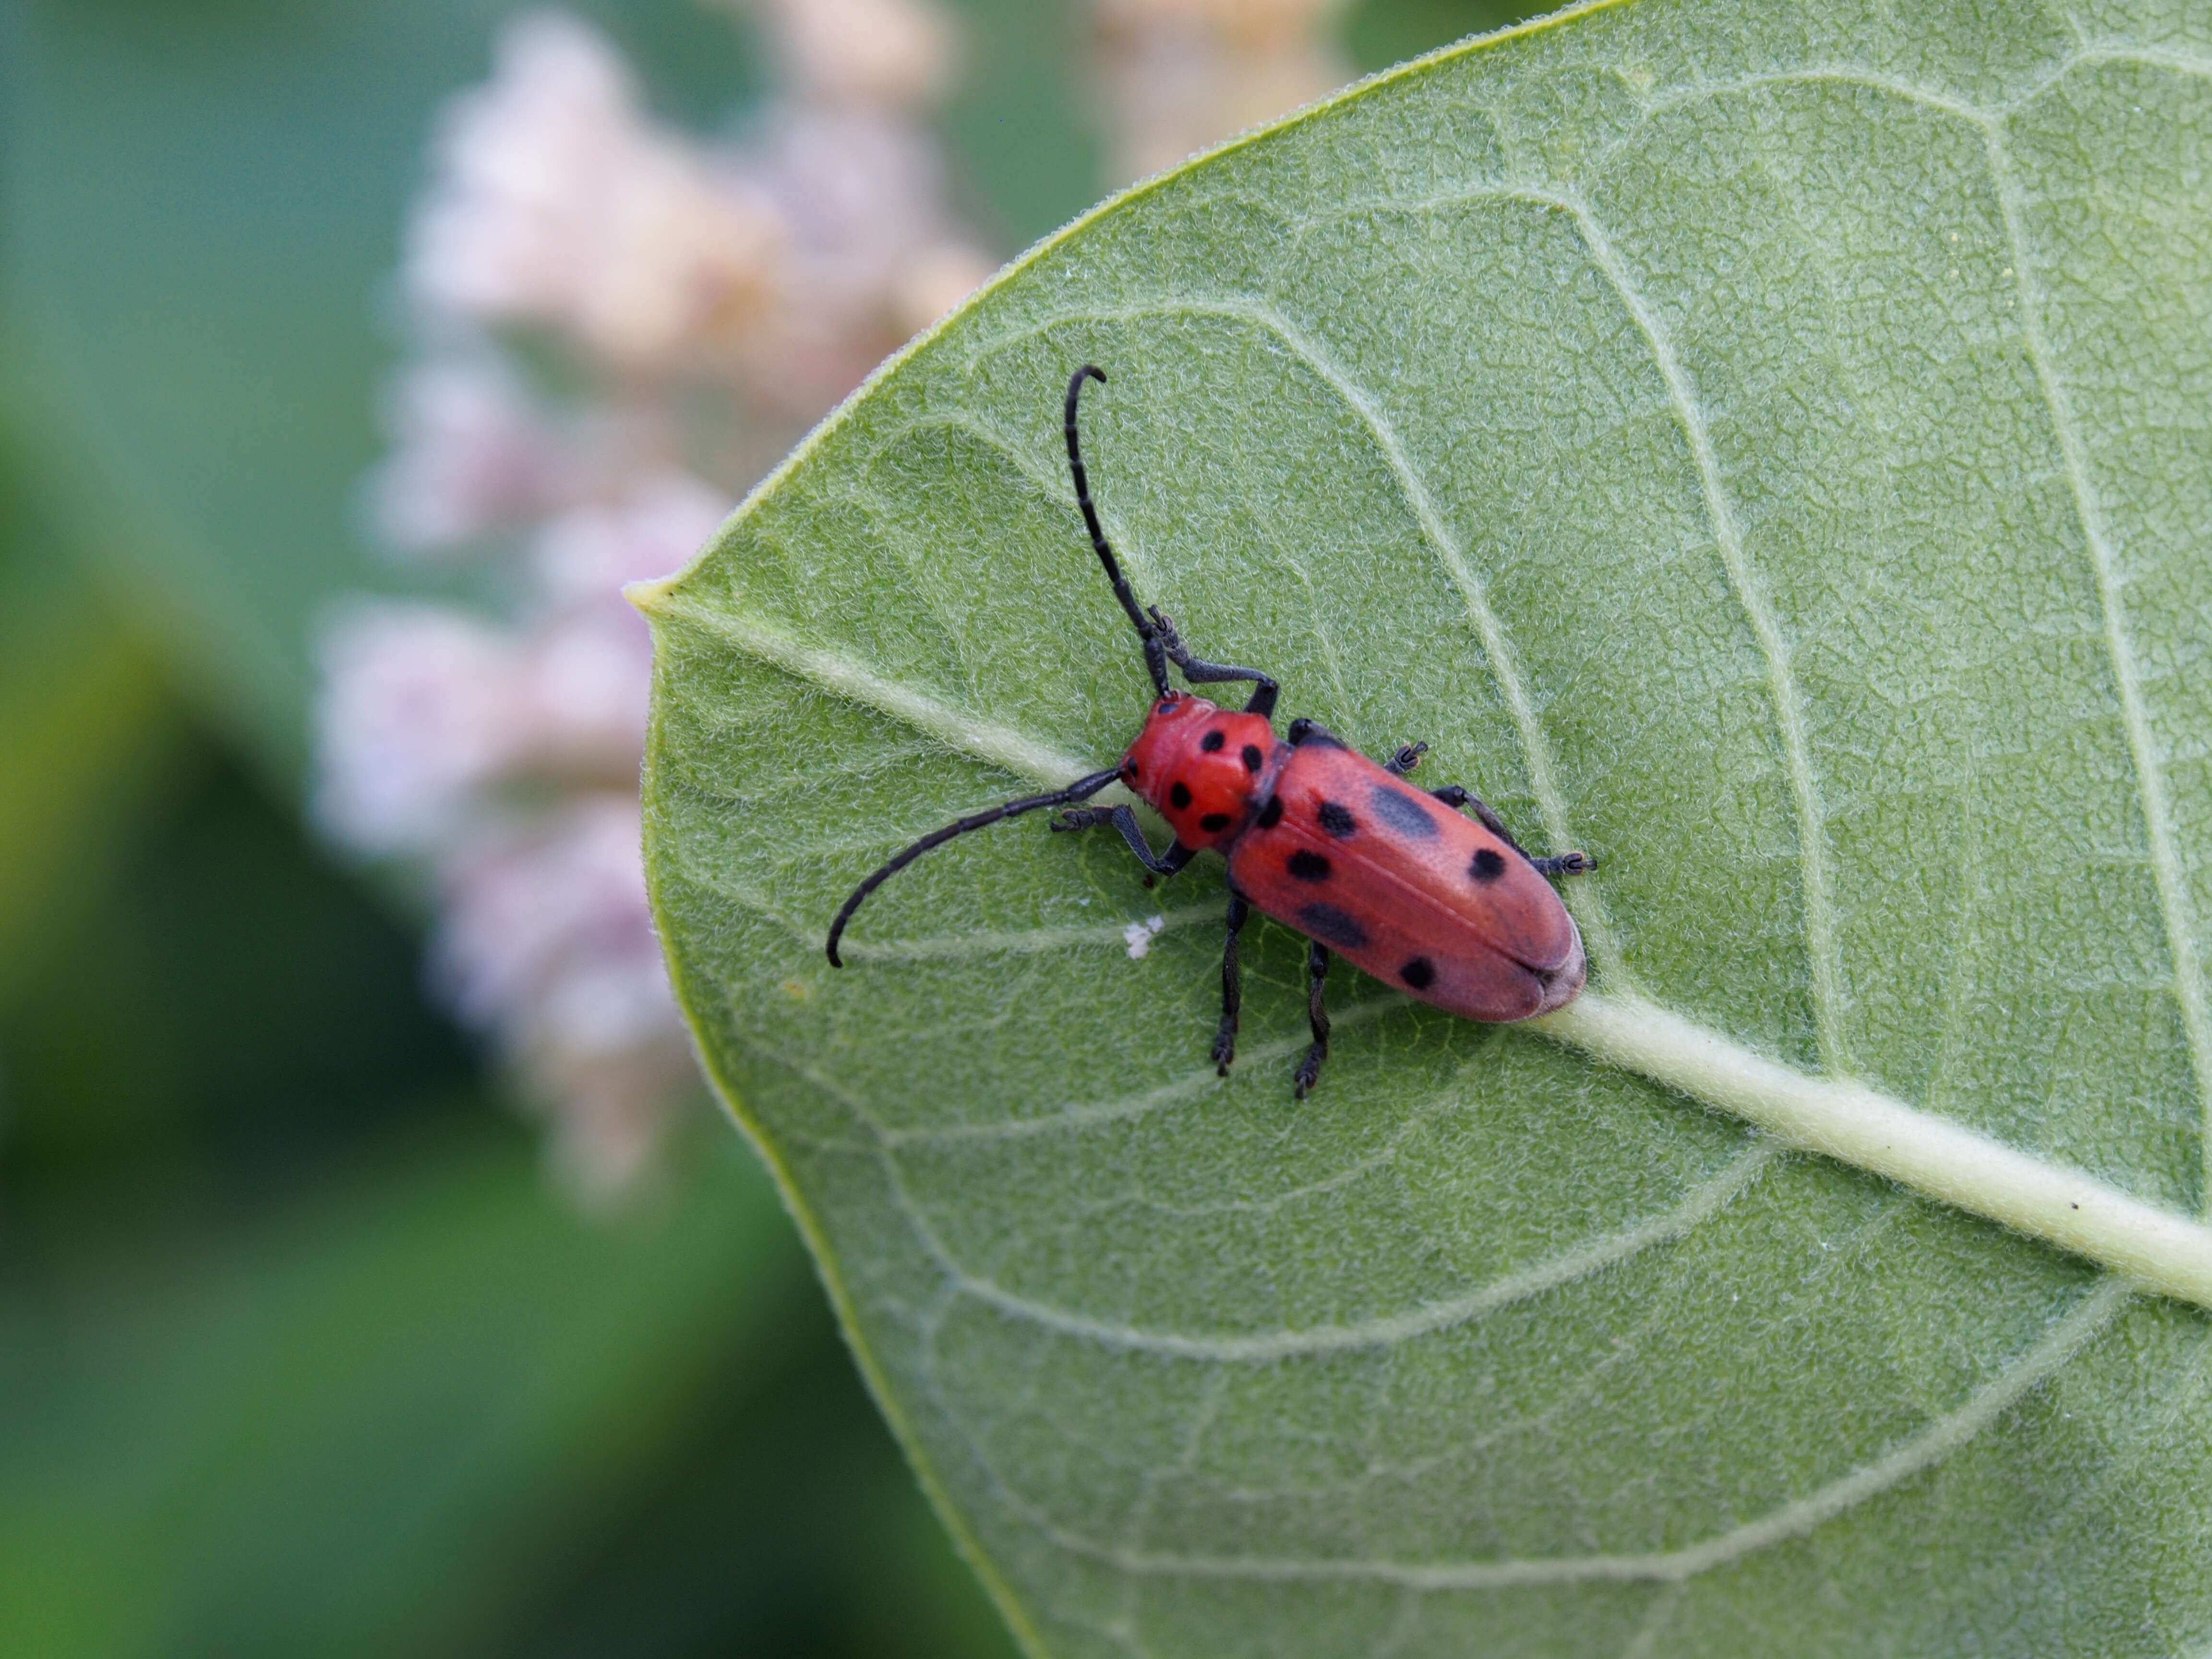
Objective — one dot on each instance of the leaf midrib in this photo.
(1842, 1119)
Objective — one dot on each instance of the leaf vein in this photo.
(1821, 949)
(1705, 1199)
(985, 741)
(1139, 1105)
(1927, 1450)
(2167, 873)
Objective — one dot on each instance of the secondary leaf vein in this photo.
(1820, 943)
(1795, 1519)
(2176, 912)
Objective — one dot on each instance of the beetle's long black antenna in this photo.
(1155, 661)
(1081, 789)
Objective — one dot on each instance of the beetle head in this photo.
(1200, 766)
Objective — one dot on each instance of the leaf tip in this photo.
(650, 598)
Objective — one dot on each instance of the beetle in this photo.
(1317, 836)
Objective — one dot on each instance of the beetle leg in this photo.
(1160, 864)
(1407, 757)
(1564, 864)
(1264, 688)
(1317, 1015)
(1232, 987)
(1456, 798)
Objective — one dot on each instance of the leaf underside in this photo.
(1769, 446)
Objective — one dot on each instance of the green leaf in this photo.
(87, 734)
(1763, 446)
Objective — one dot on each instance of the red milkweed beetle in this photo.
(1318, 836)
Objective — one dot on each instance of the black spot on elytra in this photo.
(1254, 760)
(1271, 814)
(1308, 866)
(1488, 866)
(1179, 797)
(1420, 973)
(1403, 813)
(1337, 820)
(1214, 823)
(1212, 742)
(1332, 926)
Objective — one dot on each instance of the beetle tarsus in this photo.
(1407, 757)
(1565, 864)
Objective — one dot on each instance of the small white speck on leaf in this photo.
(1140, 935)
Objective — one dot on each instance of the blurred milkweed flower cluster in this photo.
(1179, 75)
(616, 328)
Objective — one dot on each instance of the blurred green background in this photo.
(300, 1352)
